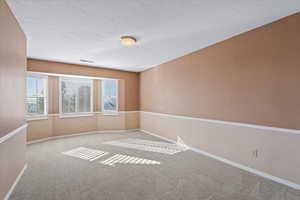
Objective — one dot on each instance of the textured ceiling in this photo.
(70, 30)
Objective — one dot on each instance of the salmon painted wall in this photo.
(12, 71)
(251, 78)
(12, 107)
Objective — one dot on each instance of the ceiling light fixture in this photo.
(86, 61)
(128, 40)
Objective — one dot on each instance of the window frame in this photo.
(102, 96)
(46, 95)
(61, 78)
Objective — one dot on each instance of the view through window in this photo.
(76, 95)
(110, 95)
(36, 95)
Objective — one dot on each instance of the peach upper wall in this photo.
(130, 80)
(251, 78)
(12, 71)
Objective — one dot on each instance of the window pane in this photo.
(110, 95)
(84, 93)
(36, 99)
(35, 105)
(76, 95)
(31, 87)
(68, 92)
(110, 103)
(110, 88)
(40, 87)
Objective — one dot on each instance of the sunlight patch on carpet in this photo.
(148, 145)
(85, 153)
(125, 159)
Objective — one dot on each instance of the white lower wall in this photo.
(12, 160)
(55, 125)
(278, 150)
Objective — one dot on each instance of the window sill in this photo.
(76, 115)
(35, 118)
(111, 113)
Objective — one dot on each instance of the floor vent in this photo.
(124, 159)
(85, 153)
(148, 145)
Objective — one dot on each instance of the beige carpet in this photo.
(52, 175)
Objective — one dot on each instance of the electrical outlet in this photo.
(255, 153)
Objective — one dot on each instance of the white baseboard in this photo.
(119, 131)
(15, 183)
(80, 134)
(234, 164)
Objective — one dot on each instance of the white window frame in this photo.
(102, 97)
(76, 108)
(46, 95)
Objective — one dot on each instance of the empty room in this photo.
(149, 100)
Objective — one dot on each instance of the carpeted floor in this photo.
(186, 175)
